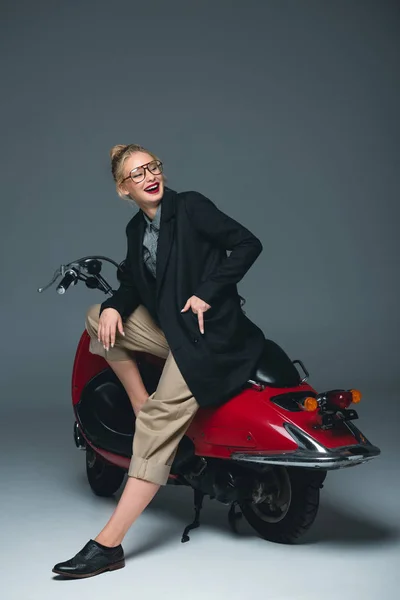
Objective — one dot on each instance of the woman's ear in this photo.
(123, 192)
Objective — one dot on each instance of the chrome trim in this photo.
(78, 437)
(304, 440)
(312, 454)
(341, 458)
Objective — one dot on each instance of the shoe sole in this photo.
(112, 567)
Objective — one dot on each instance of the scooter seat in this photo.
(275, 368)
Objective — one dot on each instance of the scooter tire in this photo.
(300, 514)
(104, 479)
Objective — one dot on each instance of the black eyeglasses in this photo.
(137, 175)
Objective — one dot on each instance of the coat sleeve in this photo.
(126, 298)
(227, 233)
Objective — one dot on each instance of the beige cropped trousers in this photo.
(166, 415)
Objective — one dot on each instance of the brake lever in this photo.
(57, 274)
(60, 272)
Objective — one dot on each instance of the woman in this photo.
(177, 299)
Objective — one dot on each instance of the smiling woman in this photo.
(138, 174)
(177, 268)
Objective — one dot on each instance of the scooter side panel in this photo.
(86, 366)
(242, 422)
(251, 420)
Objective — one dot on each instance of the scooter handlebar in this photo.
(73, 271)
(69, 278)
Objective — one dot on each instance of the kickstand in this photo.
(198, 504)
(234, 516)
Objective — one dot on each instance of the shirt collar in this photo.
(156, 221)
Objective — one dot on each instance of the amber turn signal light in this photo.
(310, 404)
(356, 396)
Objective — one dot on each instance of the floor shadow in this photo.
(164, 536)
(332, 524)
(174, 508)
(178, 503)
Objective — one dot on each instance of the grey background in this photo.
(284, 113)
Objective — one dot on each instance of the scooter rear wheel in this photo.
(104, 478)
(285, 518)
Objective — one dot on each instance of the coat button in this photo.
(195, 340)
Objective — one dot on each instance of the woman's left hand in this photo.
(199, 307)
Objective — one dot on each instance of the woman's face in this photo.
(150, 190)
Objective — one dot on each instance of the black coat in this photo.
(192, 260)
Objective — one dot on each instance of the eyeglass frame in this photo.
(144, 167)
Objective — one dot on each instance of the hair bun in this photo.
(117, 150)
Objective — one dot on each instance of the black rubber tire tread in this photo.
(104, 479)
(300, 516)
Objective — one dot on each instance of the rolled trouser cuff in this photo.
(116, 353)
(149, 470)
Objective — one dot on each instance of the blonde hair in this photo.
(119, 155)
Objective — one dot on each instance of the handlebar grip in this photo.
(69, 278)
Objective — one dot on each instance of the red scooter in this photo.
(265, 452)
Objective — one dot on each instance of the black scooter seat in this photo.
(275, 368)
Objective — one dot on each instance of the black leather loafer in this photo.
(94, 558)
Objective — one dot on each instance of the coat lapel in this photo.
(165, 239)
(139, 249)
(166, 234)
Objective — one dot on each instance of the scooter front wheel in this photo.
(284, 511)
(104, 478)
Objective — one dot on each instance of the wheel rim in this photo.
(275, 506)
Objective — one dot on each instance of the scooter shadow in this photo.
(173, 508)
(332, 525)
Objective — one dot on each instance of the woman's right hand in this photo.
(109, 321)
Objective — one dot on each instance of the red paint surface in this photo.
(249, 421)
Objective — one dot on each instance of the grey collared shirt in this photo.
(150, 240)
